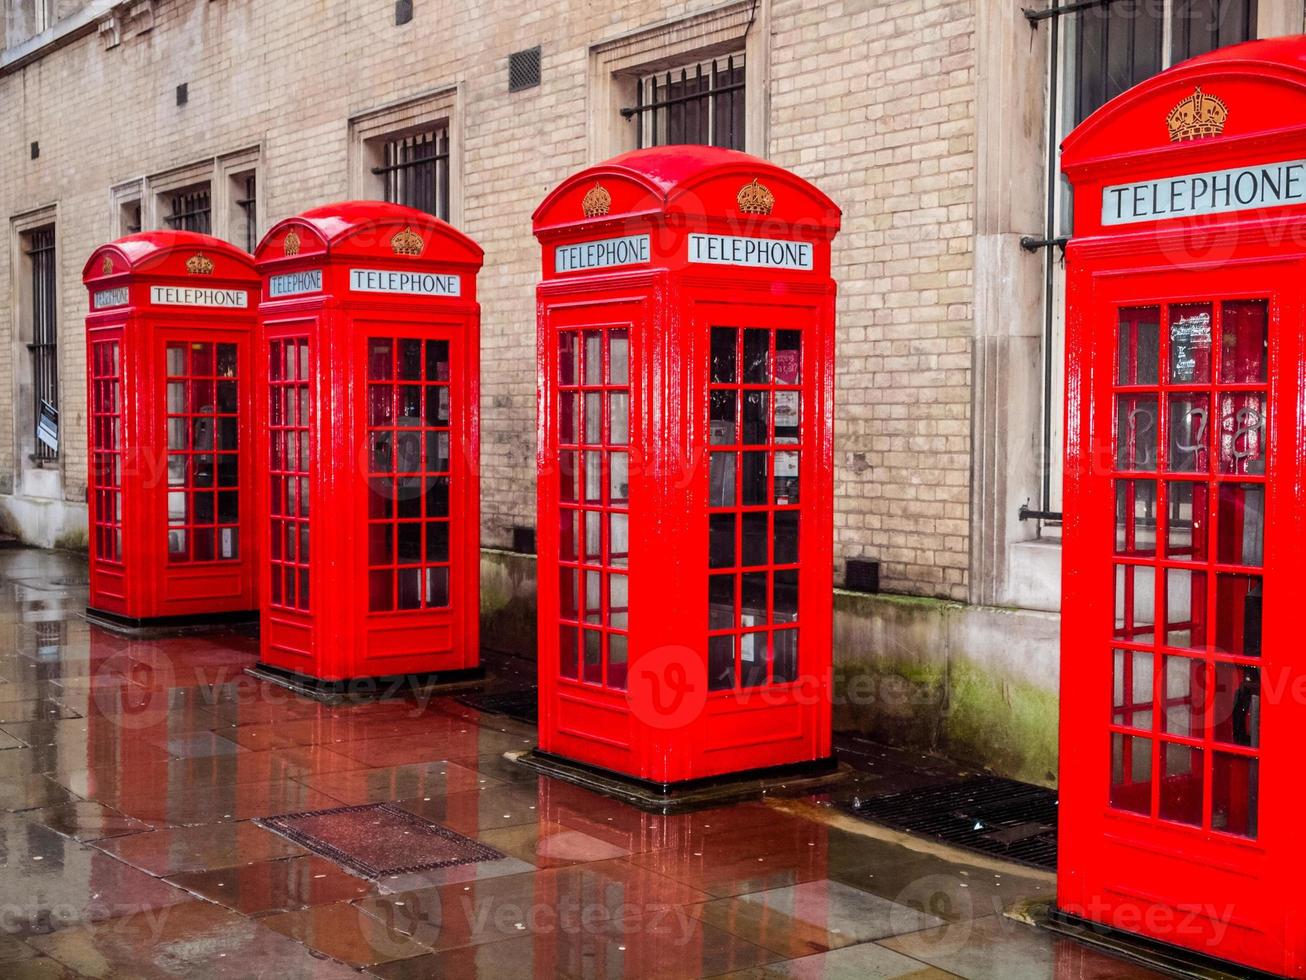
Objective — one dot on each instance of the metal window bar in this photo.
(415, 170)
(192, 210)
(1073, 70)
(44, 344)
(704, 105)
(248, 205)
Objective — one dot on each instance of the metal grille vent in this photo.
(524, 69)
(989, 814)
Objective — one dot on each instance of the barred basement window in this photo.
(191, 209)
(703, 103)
(415, 170)
(44, 343)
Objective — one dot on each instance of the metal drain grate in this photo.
(520, 705)
(996, 816)
(378, 839)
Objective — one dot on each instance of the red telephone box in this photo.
(686, 365)
(369, 415)
(1185, 487)
(168, 396)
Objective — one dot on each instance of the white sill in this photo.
(1034, 574)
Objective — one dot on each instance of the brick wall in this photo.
(871, 99)
(874, 101)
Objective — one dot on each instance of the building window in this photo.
(703, 103)
(1198, 26)
(414, 170)
(42, 309)
(129, 217)
(190, 209)
(25, 19)
(1120, 43)
(244, 211)
(1101, 51)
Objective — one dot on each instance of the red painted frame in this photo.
(134, 575)
(319, 619)
(1172, 824)
(657, 717)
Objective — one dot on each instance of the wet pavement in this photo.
(132, 772)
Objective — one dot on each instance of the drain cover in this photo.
(521, 705)
(989, 814)
(379, 839)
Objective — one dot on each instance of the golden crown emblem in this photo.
(755, 198)
(106, 267)
(596, 202)
(1197, 116)
(199, 264)
(291, 243)
(407, 242)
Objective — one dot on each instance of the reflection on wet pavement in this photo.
(131, 771)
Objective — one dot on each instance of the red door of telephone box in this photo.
(369, 415)
(686, 365)
(1185, 486)
(169, 475)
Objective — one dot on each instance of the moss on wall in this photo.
(922, 673)
(1009, 726)
(508, 602)
(73, 541)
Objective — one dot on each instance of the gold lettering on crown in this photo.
(199, 264)
(1196, 117)
(407, 242)
(291, 243)
(755, 198)
(596, 202)
(106, 267)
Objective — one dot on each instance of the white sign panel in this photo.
(1268, 185)
(412, 283)
(771, 253)
(47, 426)
(109, 297)
(198, 296)
(626, 250)
(294, 283)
